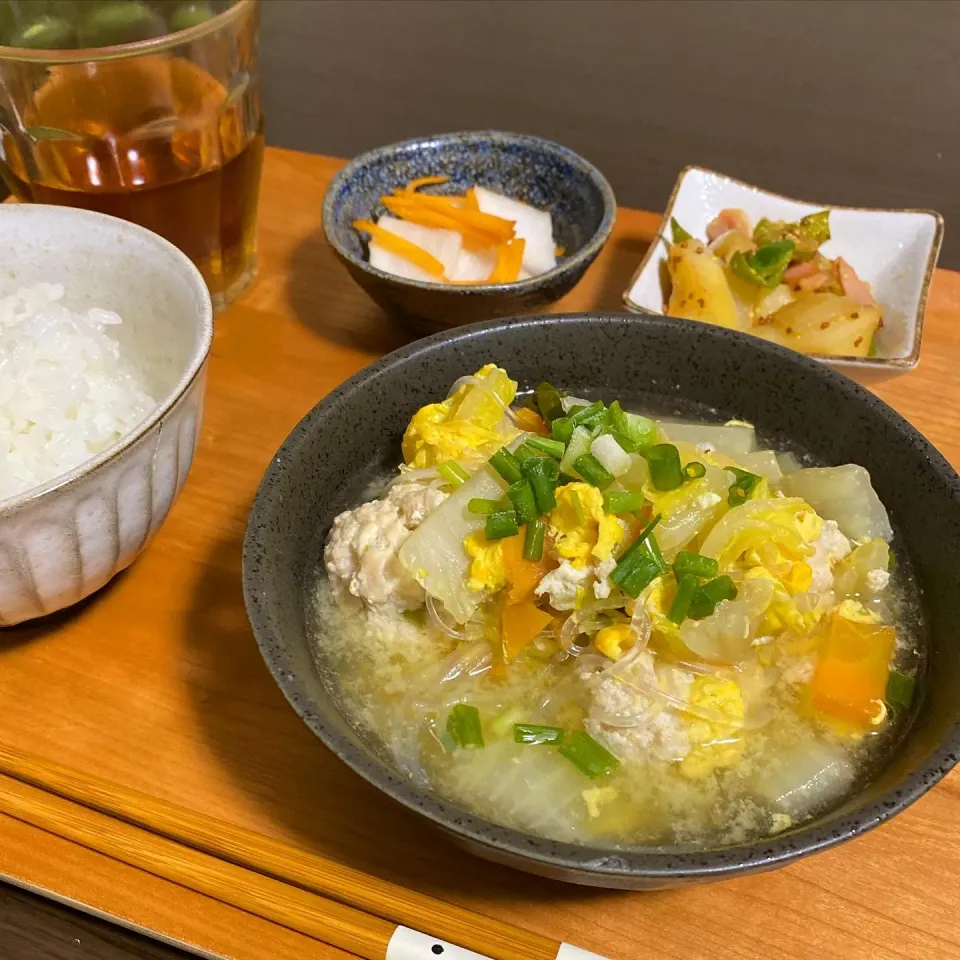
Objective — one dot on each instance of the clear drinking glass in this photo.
(148, 110)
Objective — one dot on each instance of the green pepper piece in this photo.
(679, 234)
(815, 227)
(766, 265)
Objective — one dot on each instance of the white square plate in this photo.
(895, 251)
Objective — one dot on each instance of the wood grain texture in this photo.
(156, 683)
(244, 848)
(325, 920)
(38, 860)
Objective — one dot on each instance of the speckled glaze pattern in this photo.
(536, 171)
(354, 434)
(64, 540)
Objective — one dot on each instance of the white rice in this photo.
(66, 394)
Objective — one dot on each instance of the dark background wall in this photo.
(840, 102)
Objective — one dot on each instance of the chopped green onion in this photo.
(585, 414)
(589, 757)
(687, 586)
(577, 505)
(625, 441)
(453, 473)
(694, 470)
(650, 548)
(593, 471)
(500, 525)
(463, 726)
(535, 733)
(900, 689)
(892, 561)
(679, 234)
(634, 547)
(549, 402)
(524, 453)
(543, 473)
(523, 500)
(506, 464)
(641, 430)
(666, 472)
(561, 430)
(705, 600)
(580, 441)
(641, 563)
(623, 501)
(696, 564)
(482, 506)
(640, 572)
(552, 448)
(564, 479)
(533, 540)
(742, 486)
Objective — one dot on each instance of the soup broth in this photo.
(750, 677)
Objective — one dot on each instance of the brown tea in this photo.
(152, 139)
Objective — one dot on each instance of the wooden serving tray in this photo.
(157, 685)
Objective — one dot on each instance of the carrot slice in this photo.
(532, 421)
(509, 261)
(850, 678)
(519, 625)
(470, 200)
(404, 248)
(415, 185)
(522, 575)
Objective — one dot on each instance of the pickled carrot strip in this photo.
(559, 251)
(415, 185)
(404, 248)
(470, 201)
(509, 260)
(424, 209)
(428, 218)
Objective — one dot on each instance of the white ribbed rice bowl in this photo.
(65, 539)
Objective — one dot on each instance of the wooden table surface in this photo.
(156, 683)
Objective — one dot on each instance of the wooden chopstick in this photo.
(326, 920)
(334, 900)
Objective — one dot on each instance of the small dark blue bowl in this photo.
(535, 171)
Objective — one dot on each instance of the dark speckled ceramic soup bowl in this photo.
(535, 171)
(353, 437)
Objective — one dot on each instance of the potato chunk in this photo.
(823, 323)
(700, 288)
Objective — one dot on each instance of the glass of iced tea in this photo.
(148, 110)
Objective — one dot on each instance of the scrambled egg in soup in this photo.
(598, 628)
